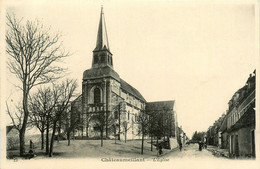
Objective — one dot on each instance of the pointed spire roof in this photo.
(102, 39)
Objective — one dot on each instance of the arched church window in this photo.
(97, 96)
(111, 60)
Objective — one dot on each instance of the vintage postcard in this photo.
(115, 84)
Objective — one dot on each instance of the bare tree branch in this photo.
(32, 54)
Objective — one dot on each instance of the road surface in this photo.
(191, 151)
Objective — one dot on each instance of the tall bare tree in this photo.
(72, 121)
(143, 121)
(100, 123)
(33, 52)
(65, 92)
(16, 116)
(41, 104)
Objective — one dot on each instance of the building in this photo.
(241, 120)
(108, 103)
(235, 131)
(182, 137)
(12, 137)
(224, 143)
(213, 133)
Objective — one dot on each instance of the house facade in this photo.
(237, 130)
(241, 120)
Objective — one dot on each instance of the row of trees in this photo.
(156, 124)
(33, 55)
(198, 136)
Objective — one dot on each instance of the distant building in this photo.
(213, 134)
(182, 137)
(103, 91)
(12, 137)
(224, 143)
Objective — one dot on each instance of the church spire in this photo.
(102, 57)
(102, 39)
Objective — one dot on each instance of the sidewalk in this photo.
(218, 151)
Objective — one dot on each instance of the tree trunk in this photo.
(87, 131)
(58, 136)
(101, 135)
(42, 137)
(21, 137)
(73, 132)
(25, 119)
(47, 135)
(82, 129)
(106, 125)
(151, 143)
(52, 139)
(125, 133)
(142, 150)
(68, 137)
(157, 142)
(115, 133)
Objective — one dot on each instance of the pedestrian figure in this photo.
(31, 154)
(200, 145)
(31, 145)
(160, 149)
(180, 146)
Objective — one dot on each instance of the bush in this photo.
(12, 143)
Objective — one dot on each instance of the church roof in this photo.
(127, 87)
(159, 105)
(100, 73)
(102, 38)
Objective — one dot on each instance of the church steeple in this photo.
(101, 55)
(102, 39)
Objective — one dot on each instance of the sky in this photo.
(197, 54)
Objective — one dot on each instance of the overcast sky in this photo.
(197, 54)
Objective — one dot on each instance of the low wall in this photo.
(173, 143)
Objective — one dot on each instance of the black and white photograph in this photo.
(138, 84)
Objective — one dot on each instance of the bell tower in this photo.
(102, 56)
(98, 83)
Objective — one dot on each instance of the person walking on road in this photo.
(160, 152)
(180, 146)
(200, 145)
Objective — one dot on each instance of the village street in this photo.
(192, 151)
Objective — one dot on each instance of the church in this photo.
(109, 104)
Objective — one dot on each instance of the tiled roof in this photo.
(127, 87)
(160, 105)
(8, 129)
